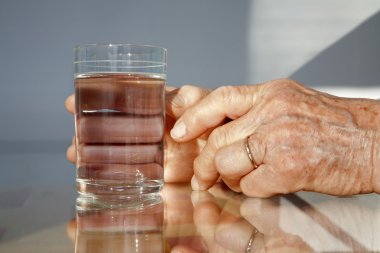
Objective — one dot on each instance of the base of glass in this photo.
(86, 202)
(117, 188)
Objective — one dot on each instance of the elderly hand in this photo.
(179, 157)
(301, 139)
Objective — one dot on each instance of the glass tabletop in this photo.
(40, 215)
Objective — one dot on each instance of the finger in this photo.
(71, 154)
(224, 102)
(70, 103)
(179, 162)
(206, 217)
(232, 231)
(178, 217)
(205, 171)
(178, 157)
(221, 192)
(265, 182)
(264, 214)
(177, 212)
(232, 163)
(179, 99)
(234, 236)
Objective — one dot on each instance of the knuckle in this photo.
(186, 96)
(284, 83)
(224, 91)
(283, 86)
(218, 137)
(178, 101)
(283, 99)
(191, 94)
(187, 89)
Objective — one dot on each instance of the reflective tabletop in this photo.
(40, 211)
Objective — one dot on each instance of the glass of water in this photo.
(119, 118)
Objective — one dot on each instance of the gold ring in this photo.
(249, 153)
(250, 242)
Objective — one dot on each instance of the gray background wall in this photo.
(209, 42)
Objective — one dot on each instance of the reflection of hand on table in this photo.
(218, 220)
(264, 214)
(223, 221)
(218, 217)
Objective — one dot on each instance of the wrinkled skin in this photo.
(301, 139)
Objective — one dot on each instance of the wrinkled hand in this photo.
(301, 139)
(179, 157)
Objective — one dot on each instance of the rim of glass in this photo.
(117, 45)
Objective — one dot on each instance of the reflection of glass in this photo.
(129, 225)
(119, 112)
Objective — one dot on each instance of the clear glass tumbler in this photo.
(119, 118)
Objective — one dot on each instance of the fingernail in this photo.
(194, 184)
(178, 131)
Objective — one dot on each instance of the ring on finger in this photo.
(250, 242)
(249, 153)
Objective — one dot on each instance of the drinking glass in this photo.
(119, 118)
